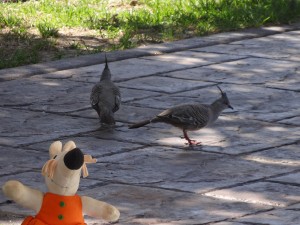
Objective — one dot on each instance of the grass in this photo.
(38, 31)
(47, 30)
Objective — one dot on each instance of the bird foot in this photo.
(193, 143)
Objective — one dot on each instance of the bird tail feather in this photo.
(107, 119)
(139, 124)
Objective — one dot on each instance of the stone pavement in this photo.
(246, 172)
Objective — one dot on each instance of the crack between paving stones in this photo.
(209, 63)
(167, 146)
(141, 98)
(18, 172)
(263, 179)
(286, 118)
(266, 148)
(144, 145)
(283, 182)
(248, 56)
(102, 184)
(175, 70)
(119, 152)
(255, 213)
(183, 147)
(296, 210)
(148, 185)
(239, 217)
(288, 124)
(53, 112)
(61, 113)
(53, 139)
(16, 105)
(282, 89)
(277, 121)
(117, 139)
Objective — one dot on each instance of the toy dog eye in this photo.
(54, 156)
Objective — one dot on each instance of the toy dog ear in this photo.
(55, 148)
(69, 146)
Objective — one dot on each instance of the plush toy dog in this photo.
(60, 205)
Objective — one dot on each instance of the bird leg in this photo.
(190, 142)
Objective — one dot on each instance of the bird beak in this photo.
(229, 106)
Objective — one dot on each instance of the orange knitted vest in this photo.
(58, 210)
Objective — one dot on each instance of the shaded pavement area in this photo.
(247, 170)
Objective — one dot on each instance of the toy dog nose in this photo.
(74, 159)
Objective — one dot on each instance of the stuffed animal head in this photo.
(62, 172)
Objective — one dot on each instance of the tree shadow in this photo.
(242, 168)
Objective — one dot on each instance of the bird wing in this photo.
(106, 94)
(96, 92)
(186, 116)
(117, 94)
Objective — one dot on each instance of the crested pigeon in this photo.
(190, 117)
(105, 97)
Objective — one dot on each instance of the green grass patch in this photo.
(122, 24)
(47, 30)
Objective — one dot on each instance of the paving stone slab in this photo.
(286, 155)
(132, 94)
(91, 145)
(191, 171)
(243, 71)
(167, 101)
(164, 84)
(41, 94)
(265, 193)
(26, 127)
(290, 82)
(288, 216)
(229, 135)
(55, 100)
(82, 102)
(279, 46)
(122, 70)
(13, 160)
(293, 178)
(249, 102)
(294, 120)
(143, 205)
(126, 113)
(51, 95)
(132, 114)
(192, 58)
(32, 90)
(88, 76)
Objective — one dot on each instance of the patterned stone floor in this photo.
(246, 172)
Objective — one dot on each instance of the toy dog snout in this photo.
(74, 159)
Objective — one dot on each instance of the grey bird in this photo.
(106, 97)
(190, 117)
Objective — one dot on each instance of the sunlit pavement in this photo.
(247, 170)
